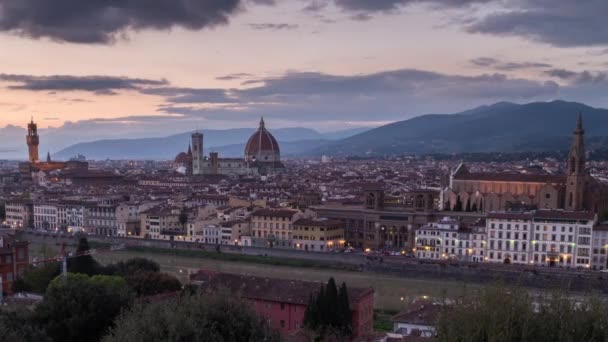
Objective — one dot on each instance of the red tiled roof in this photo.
(510, 216)
(261, 141)
(561, 214)
(317, 223)
(510, 177)
(268, 289)
(275, 213)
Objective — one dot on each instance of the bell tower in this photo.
(577, 175)
(33, 141)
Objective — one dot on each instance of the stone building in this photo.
(486, 192)
(262, 156)
(35, 165)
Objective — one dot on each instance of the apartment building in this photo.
(600, 246)
(509, 237)
(45, 216)
(318, 235)
(274, 227)
(542, 237)
(19, 213)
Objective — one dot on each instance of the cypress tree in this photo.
(331, 295)
(474, 207)
(468, 207)
(345, 314)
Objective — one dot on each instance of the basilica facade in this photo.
(575, 190)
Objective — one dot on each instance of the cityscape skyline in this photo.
(233, 64)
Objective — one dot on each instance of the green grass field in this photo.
(392, 293)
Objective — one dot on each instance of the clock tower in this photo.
(32, 141)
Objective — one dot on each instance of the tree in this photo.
(481, 205)
(219, 317)
(514, 314)
(82, 308)
(474, 207)
(448, 206)
(345, 314)
(84, 264)
(18, 326)
(131, 266)
(151, 283)
(183, 218)
(2, 211)
(36, 278)
(328, 313)
(468, 207)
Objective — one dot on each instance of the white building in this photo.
(600, 246)
(562, 238)
(438, 240)
(542, 237)
(19, 214)
(71, 216)
(45, 216)
(509, 237)
(212, 234)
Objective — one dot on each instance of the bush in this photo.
(82, 308)
(512, 314)
(192, 318)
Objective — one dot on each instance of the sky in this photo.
(131, 68)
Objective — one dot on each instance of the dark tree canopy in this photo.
(132, 266)
(36, 278)
(195, 317)
(511, 314)
(82, 308)
(18, 326)
(151, 283)
(83, 264)
(328, 312)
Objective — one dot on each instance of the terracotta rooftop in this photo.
(268, 289)
(562, 214)
(510, 177)
(275, 213)
(317, 223)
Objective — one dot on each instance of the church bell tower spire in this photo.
(577, 174)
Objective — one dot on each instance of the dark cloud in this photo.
(579, 77)
(390, 5)
(192, 95)
(236, 76)
(273, 26)
(390, 95)
(361, 17)
(103, 21)
(488, 62)
(559, 23)
(101, 85)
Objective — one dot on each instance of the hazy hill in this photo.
(229, 143)
(505, 127)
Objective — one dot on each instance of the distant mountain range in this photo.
(229, 143)
(502, 127)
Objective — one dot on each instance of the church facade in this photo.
(576, 190)
(262, 156)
